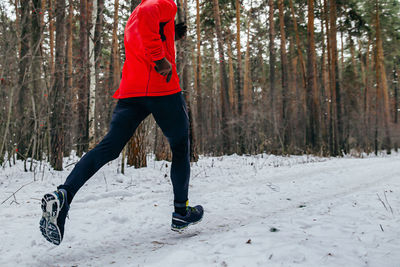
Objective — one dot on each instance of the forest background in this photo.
(277, 76)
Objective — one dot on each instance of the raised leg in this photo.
(127, 116)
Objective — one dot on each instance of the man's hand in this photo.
(164, 67)
(180, 31)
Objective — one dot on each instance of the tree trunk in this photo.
(98, 32)
(136, 148)
(213, 112)
(58, 91)
(71, 92)
(334, 83)
(381, 81)
(115, 54)
(295, 97)
(37, 34)
(313, 131)
(23, 77)
(7, 125)
(365, 72)
(197, 82)
(239, 58)
(331, 101)
(240, 131)
(285, 77)
(298, 44)
(92, 18)
(247, 98)
(17, 22)
(272, 66)
(325, 105)
(162, 150)
(224, 97)
(83, 84)
(51, 33)
(43, 8)
(231, 83)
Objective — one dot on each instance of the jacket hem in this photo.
(144, 94)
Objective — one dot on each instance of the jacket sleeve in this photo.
(150, 17)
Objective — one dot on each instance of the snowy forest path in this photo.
(274, 211)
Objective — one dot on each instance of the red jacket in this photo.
(149, 36)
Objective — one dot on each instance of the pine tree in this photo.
(58, 91)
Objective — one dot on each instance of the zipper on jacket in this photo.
(148, 82)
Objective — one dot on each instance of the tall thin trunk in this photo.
(365, 96)
(98, 32)
(298, 44)
(330, 89)
(239, 57)
(325, 105)
(17, 22)
(23, 100)
(224, 97)
(378, 108)
(7, 125)
(214, 114)
(285, 76)
(92, 19)
(115, 56)
(381, 81)
(83, 80)
(294, 97)
(303, 98)
(37, 33)
(198, 80)
(58, 91)
(51, 40)
(71, 92)
(341, 69)
(43, 5)
(335, 85)
(231, 83)
(239, 88)
(272, 62)
(353, 57)
(246, 80)
(312, 88)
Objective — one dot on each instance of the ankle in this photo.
(181, 211)
(181, 207)
(69, 195)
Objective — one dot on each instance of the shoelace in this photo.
(192, 209)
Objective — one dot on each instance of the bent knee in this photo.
(180, 144)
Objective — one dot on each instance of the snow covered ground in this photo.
(259, 211)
